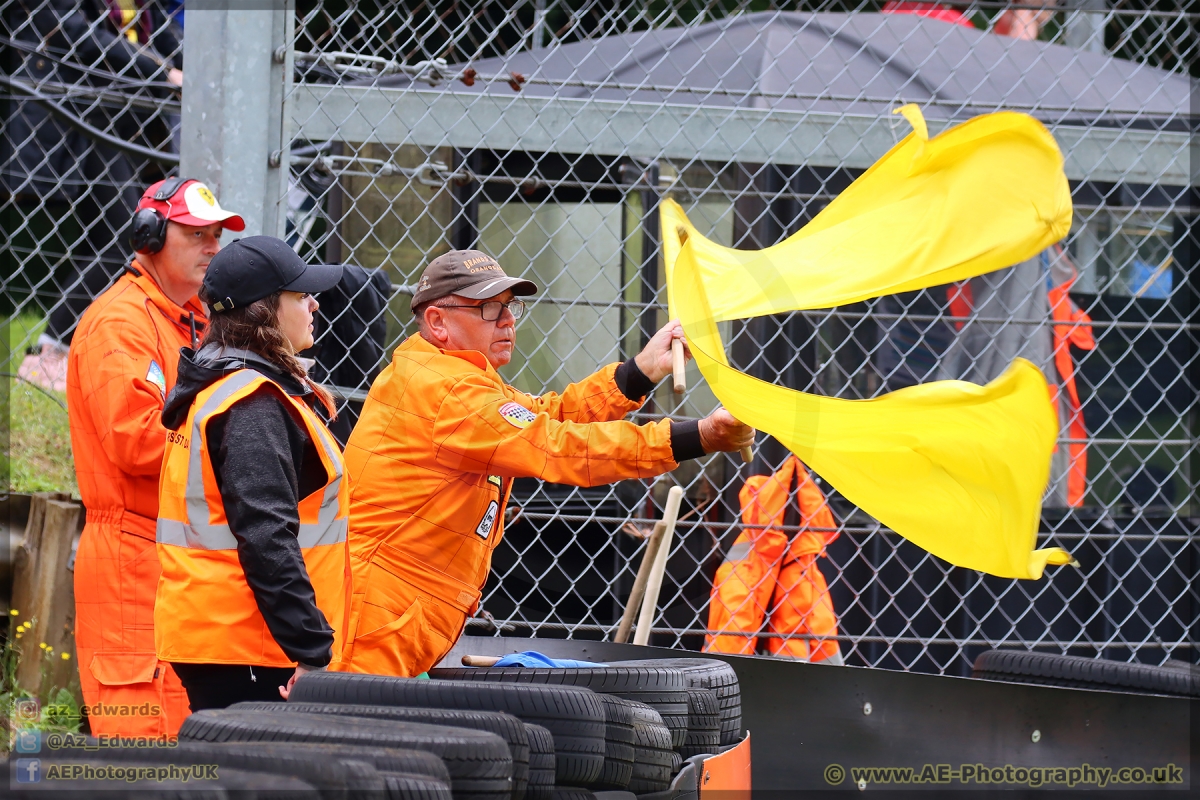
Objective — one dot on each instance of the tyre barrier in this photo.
(618, 744)
(697, 700)
(1021, 666)
(473, 734)
(574, 716)
(406, 786)
(717, 676)
(479, 762)
(541, 763)
(571, 793)
(652, 751)
(506, 726)
(651, 681)
(704, 724)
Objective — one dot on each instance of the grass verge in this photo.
(39, 437)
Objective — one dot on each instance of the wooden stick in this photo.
(677, 345)
(677, 369)
(639, 583)
(654, 581)
(480, 661)
(677, 372)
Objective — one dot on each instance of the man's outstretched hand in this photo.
(655, 359)
(721, 433)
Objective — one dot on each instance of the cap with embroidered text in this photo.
(467, 273)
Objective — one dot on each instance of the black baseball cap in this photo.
(250, 269)
(467, 273)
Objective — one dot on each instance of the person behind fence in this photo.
(101, 49)
(441, 438)
(120, 370)
(253, 499)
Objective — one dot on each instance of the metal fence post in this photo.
(1085, 25)
(237, 78)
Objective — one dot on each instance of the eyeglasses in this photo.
(490, 311)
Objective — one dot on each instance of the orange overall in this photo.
(205, 611)
(1072, 326)
(765, 576)
(121, 366)
(431, 463)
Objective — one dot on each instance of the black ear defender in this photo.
(148, 229)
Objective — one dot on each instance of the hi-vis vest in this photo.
(205, 612)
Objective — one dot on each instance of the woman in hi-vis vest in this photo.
(253, 499)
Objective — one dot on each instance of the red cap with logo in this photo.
(192, 204)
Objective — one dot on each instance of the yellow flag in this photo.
(957, 469)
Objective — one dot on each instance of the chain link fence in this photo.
(547, 133)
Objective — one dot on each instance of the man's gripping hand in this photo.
(655, 359)
(721, 433)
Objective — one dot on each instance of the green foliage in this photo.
(59, 709)
(39, 440)
(35, 425)
(20, 332)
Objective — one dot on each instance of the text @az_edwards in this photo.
(57, 740)
(983, 775)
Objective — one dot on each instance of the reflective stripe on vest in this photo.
(198, 533)
(205, 611)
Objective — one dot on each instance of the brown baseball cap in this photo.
(466, 273)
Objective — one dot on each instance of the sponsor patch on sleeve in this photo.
(517, 415)
(484, 528)
(155, 375)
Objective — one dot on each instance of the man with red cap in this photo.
(121, 366)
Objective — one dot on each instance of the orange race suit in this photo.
(431, 463)
(121, 365)
(768, 574)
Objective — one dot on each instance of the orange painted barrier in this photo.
(727, 776)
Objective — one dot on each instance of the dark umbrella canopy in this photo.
(863, 64)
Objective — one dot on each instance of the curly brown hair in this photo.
(256, 328)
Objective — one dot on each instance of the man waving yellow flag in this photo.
(957, 469)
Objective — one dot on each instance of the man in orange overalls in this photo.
(441, 438)
(121, 366)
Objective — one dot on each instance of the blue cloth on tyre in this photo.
(532, 658)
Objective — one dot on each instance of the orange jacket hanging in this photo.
(1072, 326)
(205, 611)
(122, 364)
(431, 463)
(765, 575)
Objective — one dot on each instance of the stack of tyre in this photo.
(467, 734)
(656, 715)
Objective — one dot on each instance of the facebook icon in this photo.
(29, 770)
(28, 741)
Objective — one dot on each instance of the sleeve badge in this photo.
(155, 375)
(517, 415)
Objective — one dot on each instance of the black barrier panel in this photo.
(806, 719)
